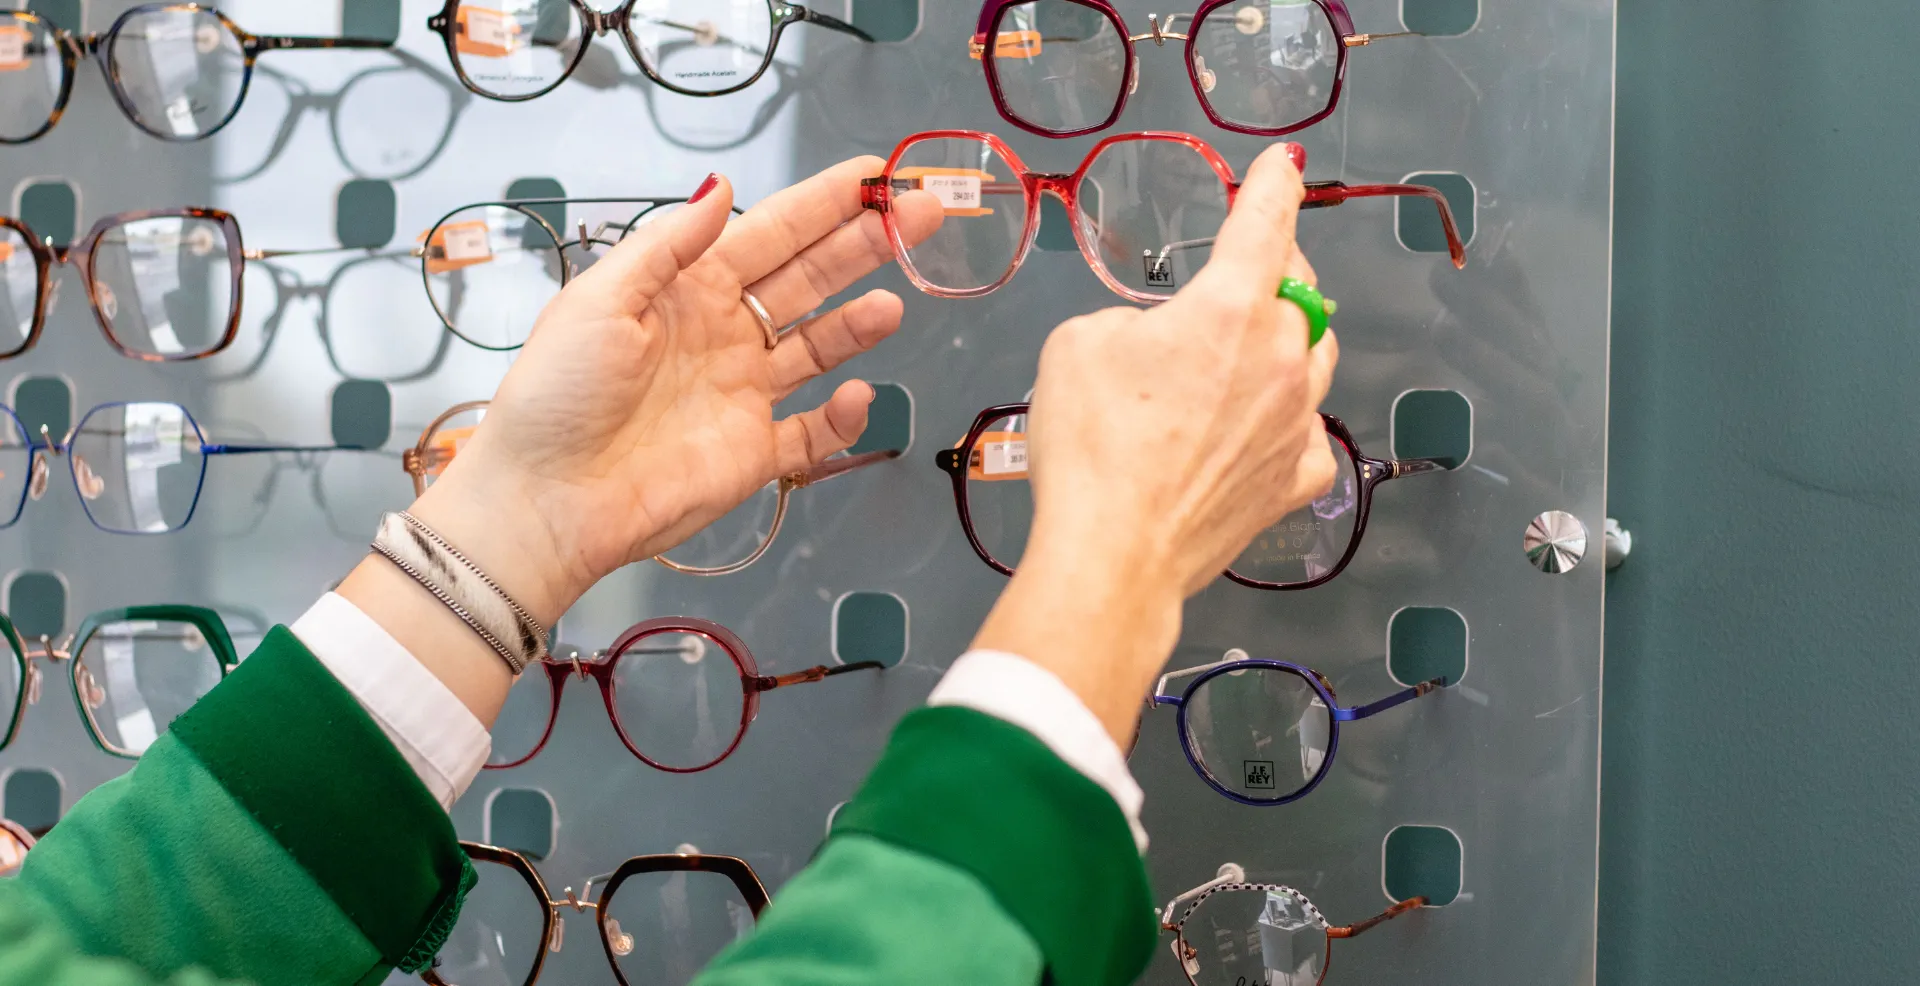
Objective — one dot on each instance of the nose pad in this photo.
(621, 941)
(559, 933)
(33, 684)
(90, 690)
(1204, 74)
(91, 485)
(53, 297)
(37, 485)
(1133, 78)
(192, 640)
(108, 301)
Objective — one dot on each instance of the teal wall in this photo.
(1760, 819)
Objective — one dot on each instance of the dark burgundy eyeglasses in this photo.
(1308, 547)
(1061, 68)
(680, 693)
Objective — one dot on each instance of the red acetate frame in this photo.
(1336, 13)
(601, 666)
(877, 194)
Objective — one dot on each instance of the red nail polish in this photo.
(1298, 155)
(712, 182)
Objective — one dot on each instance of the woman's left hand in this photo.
(641, 408)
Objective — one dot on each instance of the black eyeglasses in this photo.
(1308, 547)
(512, 50)
(678, 911)
(178, 70)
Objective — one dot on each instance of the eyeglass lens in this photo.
(499, 934)
(31, 74)
(735, 536)
(701, 46)
(1254, 936)
(1151, 210)
(20, 273)
(999, 497)
(1267, 65)
(1261, 732)
(165, 284)
(446, 441)
(515, 48)
(16, 466)
(138, 467)
(678, 699)
(1306, 544)
(13, 681)
(179, 71)
(666, 926)
(135, 676)
(1061, 65)
(984, 206)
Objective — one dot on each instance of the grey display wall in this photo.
(1484, 796)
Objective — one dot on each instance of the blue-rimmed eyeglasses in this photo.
(138, 466)
(1264, 732)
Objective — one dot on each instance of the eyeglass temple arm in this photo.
(1402, 468)
(848, 463)
(767, 683)
(1160, 695)
(813, 16)
(1228, 873)
(1327, 194)
(308, 252)
(282, 42)
(258, 449)
(1363, 40)
(1389, 914)
(1398, 698)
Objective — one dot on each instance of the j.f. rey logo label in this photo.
(1159, 269)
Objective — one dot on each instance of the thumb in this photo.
(649, 257)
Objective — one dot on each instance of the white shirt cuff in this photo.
(433, 730)
(1012, 688)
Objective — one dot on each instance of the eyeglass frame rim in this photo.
(876, 194)
(1221, 884)
(99, 47)
(1368, 472)
(988, 26)
(593, 23)
(738, 871)
(207, 621)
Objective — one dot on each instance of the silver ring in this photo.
(767, 328)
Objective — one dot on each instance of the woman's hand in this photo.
(1161, 442)
(641, 408)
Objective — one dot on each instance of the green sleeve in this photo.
(273, 835)
(972, 856)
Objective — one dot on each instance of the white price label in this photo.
(1001, 458)
(13, 48)
(954, 191)
(467, 241)
(490, 28)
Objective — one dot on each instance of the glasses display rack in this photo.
(1505, 761)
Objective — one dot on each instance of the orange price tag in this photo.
(998, 455)
(446, 444)
(1009, 44)
(457, 245)
(958, 189)
(487, 33)
(6, 251)
(13, 47)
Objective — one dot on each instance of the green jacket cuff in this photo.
(1051, 846)
(295, 749)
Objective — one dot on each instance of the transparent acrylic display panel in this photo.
(1521, 106)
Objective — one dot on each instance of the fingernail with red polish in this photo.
(1298, 155)
(712, 182)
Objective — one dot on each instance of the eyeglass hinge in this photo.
(875, 193)
(437, 22)
(947, 459)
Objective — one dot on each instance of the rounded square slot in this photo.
(1056, 227)
(370, 19)
(1422, 860)
(1417, 222)
(889, 421)
(362, 414)
(1440, 18)
(44, 401)
(37, 604)
(365, 213)
(1433, 424)
(886, 20)
(32, 797)
(51, 206)
(870, 626)
(67, 15)
(523, 820)
(1427, 642)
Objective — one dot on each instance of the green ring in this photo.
(1314, 305)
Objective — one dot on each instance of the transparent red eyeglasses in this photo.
(1145, 208)
(680, 693)
(1060, 68)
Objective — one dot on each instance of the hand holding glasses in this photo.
(1061, 68)
(132, 671)
(178, 70)
(728, 545)
(681, 910)
(1146, 208)
(1308, 547)
(1270, 923)
(679, 691)
(139, 467)
(513, 50)
(1264, 733)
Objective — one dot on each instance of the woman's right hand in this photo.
(1161, 442)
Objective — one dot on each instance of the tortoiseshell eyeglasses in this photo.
(1266, 933)
(679, 910)
(728, 545)
(679, 691)
(1145, 208)
(178, 70)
